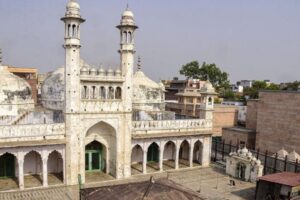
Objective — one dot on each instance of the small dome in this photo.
(93, 71)
(73, 4)
(101, 72)
(258, 162)
(84, 70)
(110, 72)
(208, 87)
(244, 151)
(293, 156)
(282, 153)
(118, 72)
(127, 13)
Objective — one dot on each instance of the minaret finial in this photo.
(127, 6)
(139, 64)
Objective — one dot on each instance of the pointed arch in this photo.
(55, 167)
(184, 152)
(197, 152)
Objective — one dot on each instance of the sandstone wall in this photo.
(278, 121)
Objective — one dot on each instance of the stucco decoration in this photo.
(15, 93)
(243, 165)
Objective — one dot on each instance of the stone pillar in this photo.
(45, 172)
(161, 158)
(177, 157)
(21, 173)
(145, 162)
(191, 155)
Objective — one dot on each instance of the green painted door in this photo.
(94, 160)
(152, 154)
(7, 166)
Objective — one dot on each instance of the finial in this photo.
(0, 56)
(139, 64)
(127, 6)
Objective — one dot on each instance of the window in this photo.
(74, 31)
(110, 93)
(94, 92)
(102, 92)
(124, 37)
(85, 92)
(118, 93)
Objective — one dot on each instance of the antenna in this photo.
(0, 56)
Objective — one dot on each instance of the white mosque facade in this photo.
(96, 120)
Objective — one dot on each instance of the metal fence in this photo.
(272, 163)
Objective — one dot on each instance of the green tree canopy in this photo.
(259, 85)
(218, 78)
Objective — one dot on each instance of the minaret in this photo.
(127, 28)
(72, 20)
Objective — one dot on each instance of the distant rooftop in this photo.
(284, 178)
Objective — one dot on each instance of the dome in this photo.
(53, 90)
(282, 153)
(127, 13)
(13, 89)
(101, 72)
(293, 156)
(84, 70)
(208, 87)
(93, 71)
(73, 4)
(140, 79)
(244, 151)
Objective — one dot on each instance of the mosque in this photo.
(96, 120)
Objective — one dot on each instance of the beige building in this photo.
(96, 120)
(188, 104)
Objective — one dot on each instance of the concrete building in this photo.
(96, 120)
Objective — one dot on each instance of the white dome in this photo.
(293, 156)
(127, 13)
(208, 88)
(73, 4)
(282, 153)
(13, 88)
(140, 79)
(53, 90)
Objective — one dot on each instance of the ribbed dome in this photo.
(127, 13)
(12, 87)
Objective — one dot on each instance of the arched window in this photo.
(118, 93)
(85, 92)
(74, 30)
(69, 30)
(209, 101)
(124, 37)
(94, 92)
(102, 92)
(111, 93)
(129, 37)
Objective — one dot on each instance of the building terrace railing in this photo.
(172, 124)
(36, 130)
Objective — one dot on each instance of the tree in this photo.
(218, 78)
(259, 85)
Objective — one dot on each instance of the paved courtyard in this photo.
(211, 183)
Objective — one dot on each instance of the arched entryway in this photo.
(33, 169)
(95, 157)
(55, 168)
(197, 153)
(169, 155)
(8, 164)
(241, 171)
(184, 154)
(136, 160)
(153, 157)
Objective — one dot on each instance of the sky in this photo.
(249, 39)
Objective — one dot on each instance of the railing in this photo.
(102, 78)
(172, 124)
(37, 130)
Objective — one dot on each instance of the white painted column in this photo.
(45, 172)
(161, 158)
(177, 157)
(191, 155)
(145, 162)
(21, 173)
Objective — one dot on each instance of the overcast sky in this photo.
(249, 39)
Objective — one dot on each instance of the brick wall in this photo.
(224, 116)
(278, 121)
(251, 115)
(235, 135)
